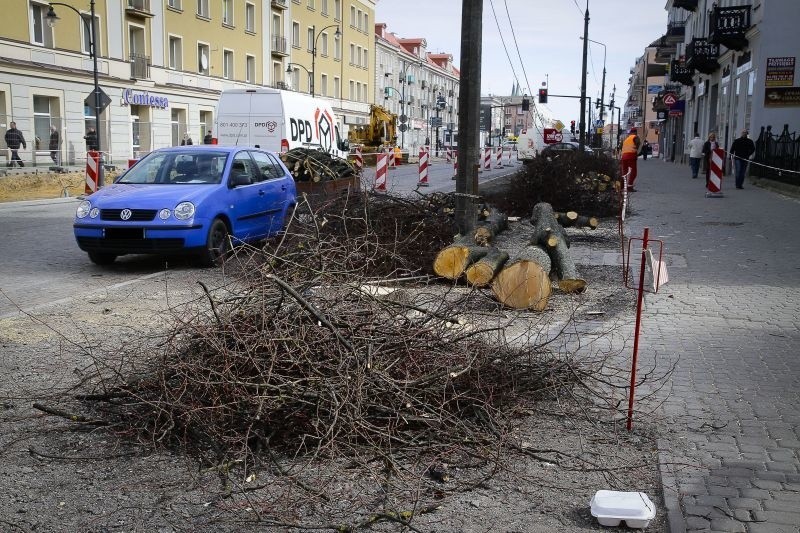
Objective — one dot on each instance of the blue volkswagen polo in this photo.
(194, 199)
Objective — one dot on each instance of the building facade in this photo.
(421, 87)
(645, 85)
(733, 66)
(163, 64)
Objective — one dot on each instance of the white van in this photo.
(277, 120)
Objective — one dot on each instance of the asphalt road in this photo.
(42, 264)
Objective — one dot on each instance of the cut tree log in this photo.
(572, 218)
(550, 234)
(452, 261)
(524, 283)
(482, 272)
(485, 231)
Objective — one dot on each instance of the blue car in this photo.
(194, 199)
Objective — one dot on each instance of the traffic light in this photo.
(542, 95)
(572, 126)
(526, 104)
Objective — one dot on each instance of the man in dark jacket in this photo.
(208, 139)
(55, 143)
(15, 139)
(91, 140)
(741, 150)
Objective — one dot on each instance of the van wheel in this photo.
(99, 258)
(217, 245)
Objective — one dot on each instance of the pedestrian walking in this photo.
(695, 149)
(631, 147)
(187, 140)
(208, 139)
(55, 144)
(645, 149)
(91, 140)
(15, 139)
(741, 151)
(708, 147)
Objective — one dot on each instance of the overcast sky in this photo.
(548, 36)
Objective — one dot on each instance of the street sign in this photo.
(403, 118)
(436, 122)
(552, 136)
(558, 125)
(104, 99)
(670, 99)
(403, 127)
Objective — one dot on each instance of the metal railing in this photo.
(279, 45)
(140, 67)
(776, 154)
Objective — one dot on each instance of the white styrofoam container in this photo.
(611, 507)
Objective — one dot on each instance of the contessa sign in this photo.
(131, 97)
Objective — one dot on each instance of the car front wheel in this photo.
(217, 244)
(101, 259)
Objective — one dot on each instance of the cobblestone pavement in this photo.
(728, 319)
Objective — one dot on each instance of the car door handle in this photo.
(283, 187)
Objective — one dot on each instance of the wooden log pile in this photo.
(518, 278)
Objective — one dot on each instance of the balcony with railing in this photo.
(728, 25)
(688, 5)
(279, 46)
(676, 31)
(279, 4)
(702, 55)
(140, 67)
(680, 73)
(138, 8)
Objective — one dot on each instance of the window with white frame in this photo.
(296, 34)
(86, 25)
(310, 37)
(250, 17)
(175, 52)
(227, 12)
(366, 59)
(227, 64)
(202, 9)
(41, 33)
(203, 58)
(175, 4)
(352, 16)
(352, 90)
(324, 45)
(352, 53)
(366, 22)
(337, 9)
(325, 7)
(337, 87)
(311, 4)
(250, 70)
(323, 82)
(358, 56)
(360, 20)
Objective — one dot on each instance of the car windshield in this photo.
(174, 167)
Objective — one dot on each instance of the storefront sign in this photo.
(131, 97)
(780, 72)
(782, 97)
(654, 89)
(677, 108)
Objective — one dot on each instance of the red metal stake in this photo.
(639, 300)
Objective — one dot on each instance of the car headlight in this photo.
(83, 209)
(94, 212)
(164, 214)
(184, 210)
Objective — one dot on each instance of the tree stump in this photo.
(524, 283)
(451, 262)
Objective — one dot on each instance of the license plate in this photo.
(124, 233)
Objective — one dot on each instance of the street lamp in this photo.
(314, 49)
(52, 20)
(308, 72)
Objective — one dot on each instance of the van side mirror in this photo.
(344, 145)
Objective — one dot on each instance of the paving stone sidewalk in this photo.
(729, 320)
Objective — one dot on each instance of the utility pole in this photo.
(469, 114)
(582, 139)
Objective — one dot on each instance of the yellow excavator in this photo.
(381, 132)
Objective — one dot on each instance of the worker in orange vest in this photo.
(631, 147)
(398, 155)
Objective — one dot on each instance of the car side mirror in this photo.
(238, 179)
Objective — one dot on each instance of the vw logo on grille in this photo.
(125, 214)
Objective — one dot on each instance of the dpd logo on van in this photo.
(324, 124)
(271, 125)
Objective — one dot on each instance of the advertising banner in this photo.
(780, 72)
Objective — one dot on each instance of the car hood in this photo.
(123, 195)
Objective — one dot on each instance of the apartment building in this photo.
(163, 63)
(646, 83)
(421, 87)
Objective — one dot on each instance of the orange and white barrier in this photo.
(423, 168)
(381, 168)
(716, 162)
(92, 171)
(359, 159)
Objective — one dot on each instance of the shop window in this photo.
(43, 110)
(178, 120)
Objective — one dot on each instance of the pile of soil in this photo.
(43, 185)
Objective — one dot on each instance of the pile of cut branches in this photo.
(315, 165)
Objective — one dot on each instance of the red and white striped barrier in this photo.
(717, 161)
(449, 155)
(381, 168)
(509, 157)
(390, 155)
(487, 159)
(423, 168)
(359, 159)
(92, 171)
(499, 155)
